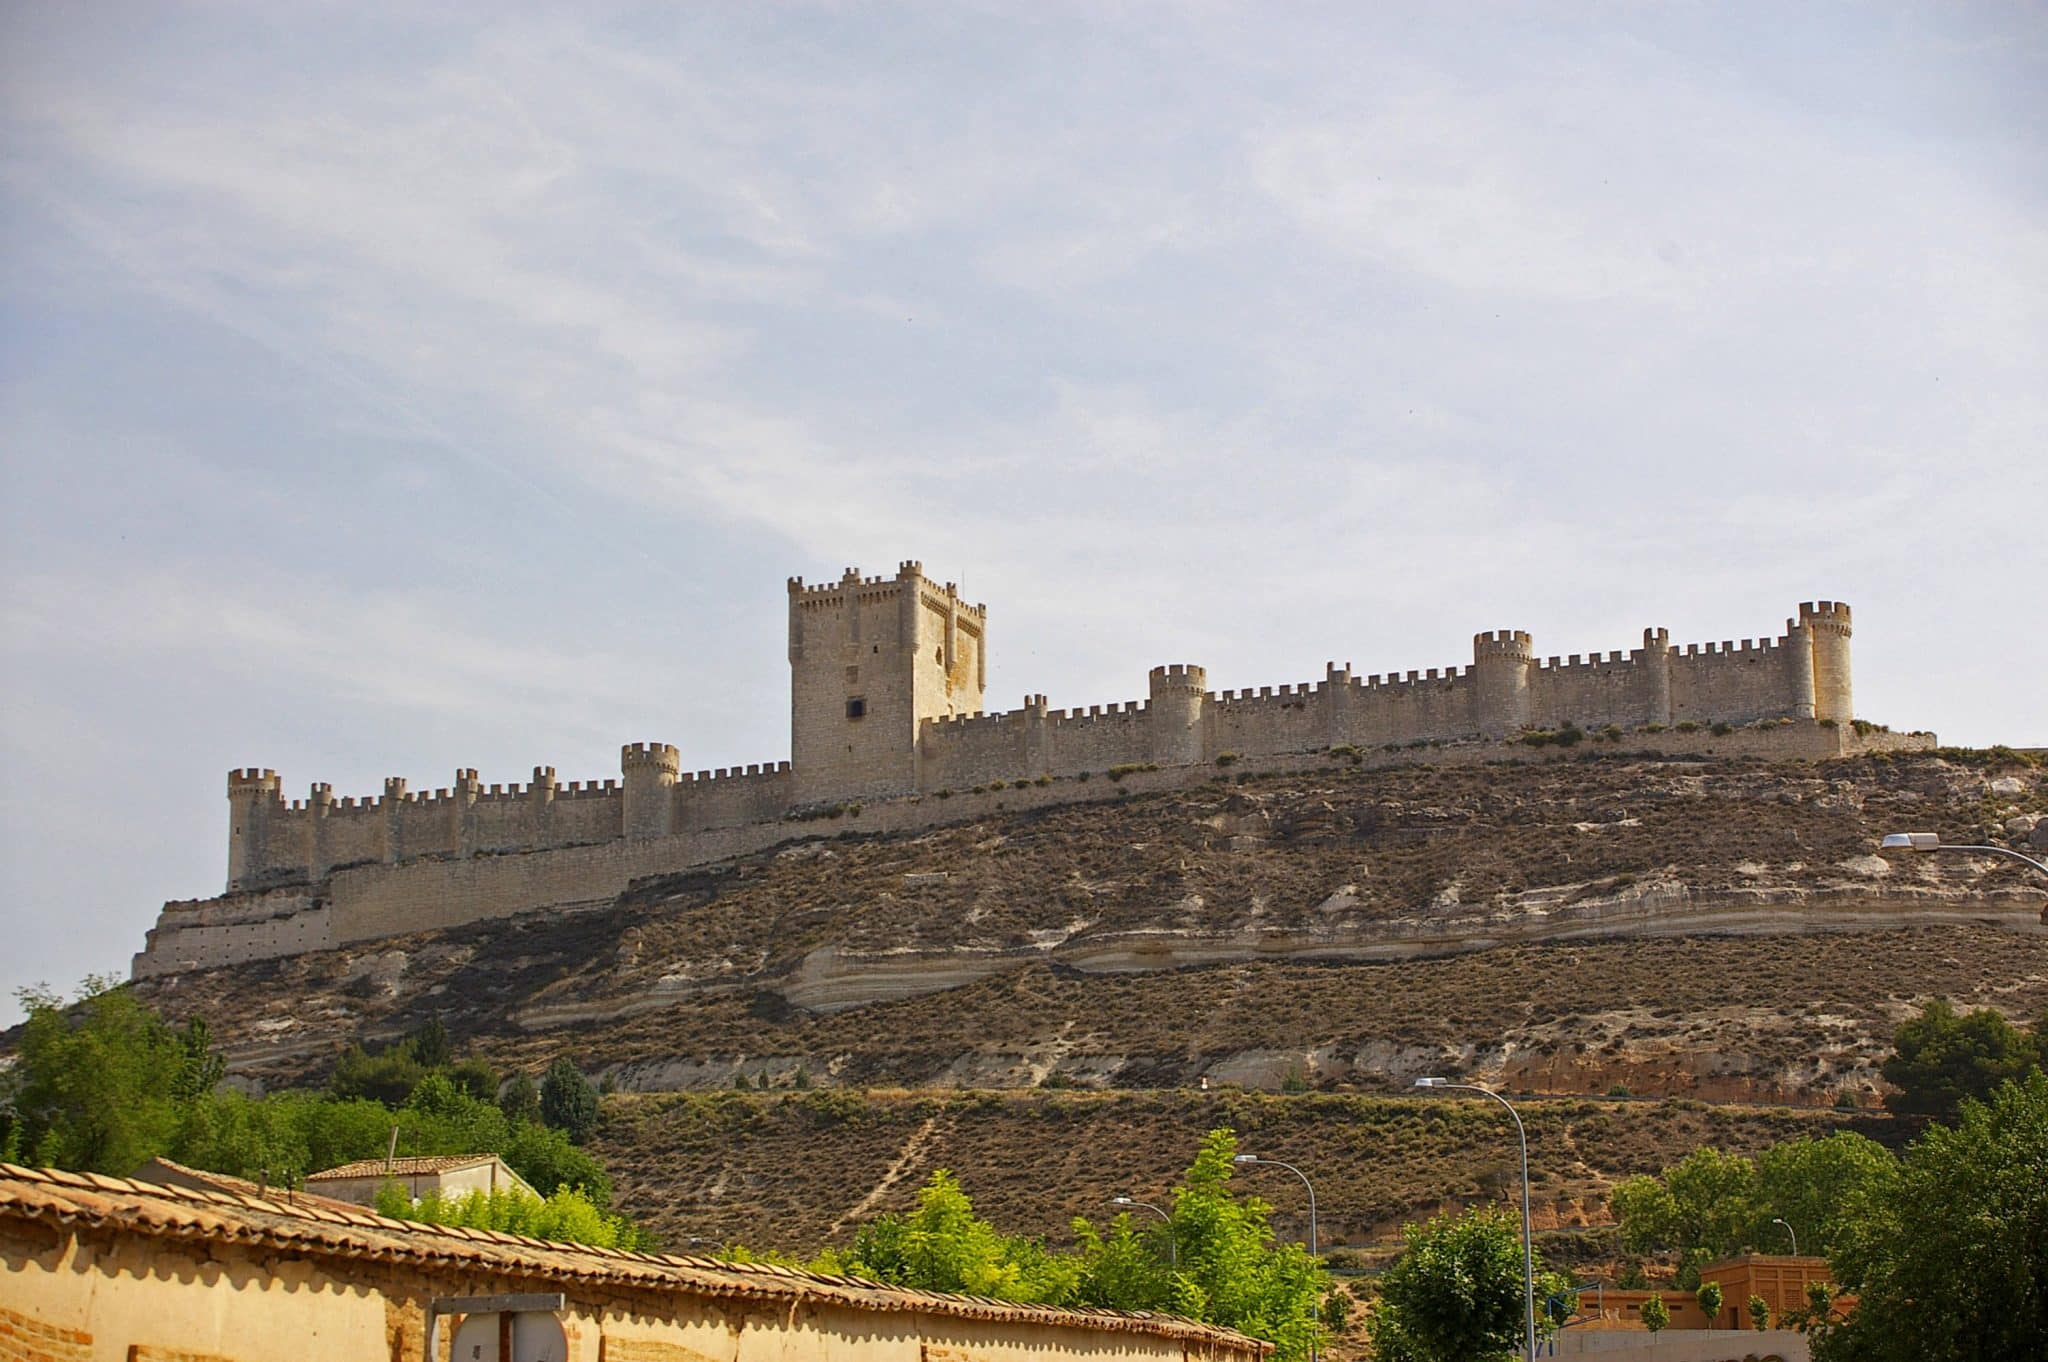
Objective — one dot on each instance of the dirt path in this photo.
(907, 1160)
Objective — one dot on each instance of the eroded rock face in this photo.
(1388, 917)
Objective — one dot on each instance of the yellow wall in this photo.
(114, 1296)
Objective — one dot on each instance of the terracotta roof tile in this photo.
(407, 1167)
(185, 1213)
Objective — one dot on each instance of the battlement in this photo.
(886, 702)
(1179, 676)
(1825, 615)
(659, 755)
(1503, 643)
(910, 572)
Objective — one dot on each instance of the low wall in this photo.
(106, 1270)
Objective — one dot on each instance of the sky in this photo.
(387, 389)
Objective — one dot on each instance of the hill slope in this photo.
(1717, 928)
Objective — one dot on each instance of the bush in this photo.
(567, 1101)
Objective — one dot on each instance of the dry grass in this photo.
(779, 1170)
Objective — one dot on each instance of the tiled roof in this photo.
(314, 1228)
(160, 1171)
(403, 1168)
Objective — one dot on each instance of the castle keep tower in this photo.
(869, 659)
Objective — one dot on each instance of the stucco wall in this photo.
(100, 1293)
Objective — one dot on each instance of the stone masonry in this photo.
(886, 683)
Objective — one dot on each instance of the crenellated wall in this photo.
(887, 679)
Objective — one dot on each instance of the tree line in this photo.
(103, 1084)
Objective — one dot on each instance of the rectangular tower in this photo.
(869, 659)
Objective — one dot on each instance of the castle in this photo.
(886, 683)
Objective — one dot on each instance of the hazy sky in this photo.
(384, 394)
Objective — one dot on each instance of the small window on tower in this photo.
(856, 707)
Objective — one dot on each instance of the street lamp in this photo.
(1251, 1158)
(1172, 1250)
(1931, 841)
(1528, 1253)
(1780, 1220)
(1276, 1163)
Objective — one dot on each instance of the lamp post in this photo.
(1312, 1250)
(1931, 841)
(1172, 1250)
(1252, 1158)
(1780, 1220)
(1528, 1253)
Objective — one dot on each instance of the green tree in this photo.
(1941, 1058)
(1233, 1271)
(1759, 1313)
(1456, 1292)
(521, 1099)
(1656, 1314)
(1713, 1204)
(545, 1158)
(430, 1044)
(565, 1217)
(1710, 1297)
(388, 1076)
(1126, 1268)
(944, 1246)
(567, 1101)
(96, 1085)
(1954, 1265)
(1702, 1208)
(1826, 1187)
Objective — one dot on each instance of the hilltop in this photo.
(1714, 927)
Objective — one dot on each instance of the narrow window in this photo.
(856, 707)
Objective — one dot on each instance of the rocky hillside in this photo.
(1715, 928)
(725, 1167)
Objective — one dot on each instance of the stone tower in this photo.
(649, 770)
(1177, 697)
(1828, 623)
(870, 658)
(254, 797)
(1501, 659)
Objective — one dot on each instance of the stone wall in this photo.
(887, 678)
(367, 903)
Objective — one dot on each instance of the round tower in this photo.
(253, 795)
(1655, 695)
(650, 769)
(1833, 697)
(1501, 659)
(1175, 717)
(1798, 659)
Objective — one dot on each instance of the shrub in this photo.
(1226, 758)
(1722, 729)
(1686, 726)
